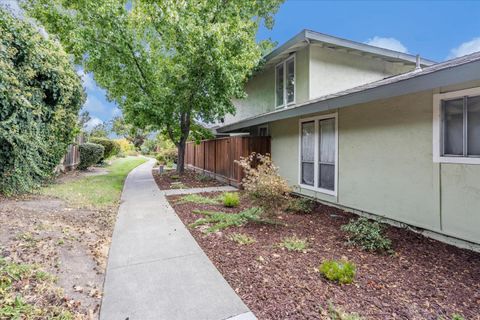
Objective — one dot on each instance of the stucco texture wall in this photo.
(332, 71)
(386, 167)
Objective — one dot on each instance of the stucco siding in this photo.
(385, 167)
(302, 75)
(461, 200)
(334, 71)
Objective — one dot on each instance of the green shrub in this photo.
(90, 154)
(221, 220)
(196, 198)
(367, 234)
(300, 205)
(230, 199)
(112, 148)
(342, 272)
(168, 155)
(40, 96)
(242, 239)
(294, 244)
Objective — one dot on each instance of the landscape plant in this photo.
(40, 97)
(263, 183)
(241, 238)
(341, 271)
(369, 235)
(170, 65)
(90, 154)
(220, 220)
(294, 243)
(196, 198)
(111, 147)
(230, 199)
(300, 205)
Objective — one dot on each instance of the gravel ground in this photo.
(423, 279)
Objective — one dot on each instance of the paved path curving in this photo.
(155, 269)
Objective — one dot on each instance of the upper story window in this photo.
(457, 127)
(285, 83)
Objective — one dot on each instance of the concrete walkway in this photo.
(155, 268)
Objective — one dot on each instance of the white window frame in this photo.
(316, 119)
(284, 63)
(437, 126)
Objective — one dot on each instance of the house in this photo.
(372, 130)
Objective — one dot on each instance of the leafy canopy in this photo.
(40, 96)
(169, 64)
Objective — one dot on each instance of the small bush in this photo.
(342, 272)
(263, 183)
(338, 314)
(112, 148)
(196, 198)
(90, 154)
(294, 244)
(242, 239)
(168, 155)
(300, 205)
(368, 235)
(125, 145)
(221, 220)
(230, 199)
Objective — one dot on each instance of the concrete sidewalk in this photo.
(155, 269)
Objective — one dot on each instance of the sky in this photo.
(437, 30)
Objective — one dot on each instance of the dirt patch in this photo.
(424, 279)
(189, 179)
(69, 243)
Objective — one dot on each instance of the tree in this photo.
(130, 132)
(83, 118)
(170, 64)
(101, 130)
(40, 96)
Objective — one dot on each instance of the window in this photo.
(457, 127)
(263, 131)
(318, 153)
(285, 83)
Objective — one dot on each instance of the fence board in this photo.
(217, 156)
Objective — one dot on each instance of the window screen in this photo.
(473, 126)
(453, 130)
(326, 163)
(308, 153)
(290, 86)
(279, 85)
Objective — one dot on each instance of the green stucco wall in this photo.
(386, 167)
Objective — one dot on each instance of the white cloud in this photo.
(87, 79)
(97, 107)
(92, 123)
(387, 43)
(465, 48)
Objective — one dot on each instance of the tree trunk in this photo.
(181, 156)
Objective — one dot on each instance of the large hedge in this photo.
(90, 154)
(112, 148)
(40, 96)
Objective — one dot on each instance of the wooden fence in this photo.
(217, 157)
(72, 158)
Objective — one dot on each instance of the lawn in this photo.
(99, 190)
(306, 266)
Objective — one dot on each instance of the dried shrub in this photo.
(367, 234)
(342, 272)
(263, 183)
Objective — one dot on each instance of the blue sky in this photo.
(435, 30)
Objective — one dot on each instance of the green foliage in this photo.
(338, 314)
(96, 191)
(230, 199)
(196, 198)
(40, 97)
(342, 272)
(90, 154)
(132, 133)
(242, 239)
(166, 63)
(368, 235)
(16, 297)
(220, 220)
(178, 185)
(300, 205)
(294, 244)
(112, 148)
(263, 183)
(167, 155)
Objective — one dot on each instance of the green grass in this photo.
(242, 239)
(294, 244)
(97, 191)
(220, 220)
(197, 199)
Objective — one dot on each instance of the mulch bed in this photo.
(189, 179)
(424, 279)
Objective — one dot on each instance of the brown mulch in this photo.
(189, 179)
(423, 279)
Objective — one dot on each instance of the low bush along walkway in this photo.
(54, 245)
(170, 179)
(308, 261)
